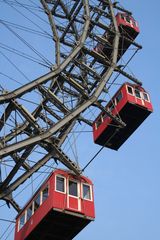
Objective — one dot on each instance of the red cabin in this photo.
(128, 28)
(127, 25)
(132, 103)
(59, 210)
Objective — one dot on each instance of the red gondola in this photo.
(132, 103)
(128, 26)
(129, 30)
(59, 210)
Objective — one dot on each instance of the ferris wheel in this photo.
(61, 65)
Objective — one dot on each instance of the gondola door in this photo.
(73, 192)
(139, 98)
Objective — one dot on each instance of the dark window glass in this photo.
(73, 188)
(122, 16)
(60, 184)
(29, 212)
(45, 194)
(37, 202)
(128, 19)
(21, 221)
(86, 192)
(137, 93)
(130, 90)
(119, 97)
(145, 95)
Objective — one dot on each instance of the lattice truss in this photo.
(77, 78)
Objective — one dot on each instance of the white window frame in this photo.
(58, 175)
(40, 193)
(78, 188)
(132, 90)
(131, 23)
(95, 125)
(90, 187)
(47, 185)
(24, 214)
(147, 96)
(141, 97)
(128, 21)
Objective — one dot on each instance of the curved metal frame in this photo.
(59, 76)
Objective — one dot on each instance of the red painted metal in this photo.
(128, 23)
(133, 108)
(128, 29)
(61, 215)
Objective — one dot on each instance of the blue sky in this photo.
(126, 182)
